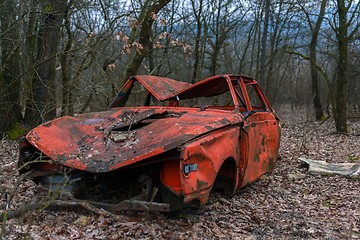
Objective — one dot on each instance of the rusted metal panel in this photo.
(208, 154)
(259, 145)
(83, 141)
(184, 150)
(211, 86)
(160, 87)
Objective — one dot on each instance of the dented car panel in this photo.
(178, 153)
(109, 140)
(210, 152)
(259, 145)
(160, 87)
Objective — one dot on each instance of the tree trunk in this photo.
(217, 44)
(319, 113)
(276, 33)
(44, 99)
(67, 96)
(30, 58)
(10, 111)
(251, 34)
(145, 20)
(341, 86)
(198, 13)
(263, 50)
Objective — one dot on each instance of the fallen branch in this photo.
(328, 117)
(53, 204)
(351, 170)
(95, 207)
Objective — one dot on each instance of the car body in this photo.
(183, 141)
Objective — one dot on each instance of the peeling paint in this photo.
(225, 143)
(201, 184)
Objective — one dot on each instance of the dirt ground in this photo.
(286, 204)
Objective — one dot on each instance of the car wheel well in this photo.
(225, 179)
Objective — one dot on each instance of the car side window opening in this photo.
(140, 96)
(239, 95)
(257, 103)
(213, 95)
(240, 98)
(221, 100)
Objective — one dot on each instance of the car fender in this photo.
(202, 159)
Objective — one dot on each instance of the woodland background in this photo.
(60, 57)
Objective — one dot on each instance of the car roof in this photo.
(161, 88)
(211, 86)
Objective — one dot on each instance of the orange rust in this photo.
(170, 176)
(259, 145)
(209, 153)
(194, 144)
(76, 164)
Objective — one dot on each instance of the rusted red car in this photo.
(180, 143)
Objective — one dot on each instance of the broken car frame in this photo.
(182, 142)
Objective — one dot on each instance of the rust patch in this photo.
(178, 142)
(257, 158)
(48, 124)
(76, 164)
(209, 128)
(201, 184)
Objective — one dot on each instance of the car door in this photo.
(260, 134)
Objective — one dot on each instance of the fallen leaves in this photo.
(287, 204)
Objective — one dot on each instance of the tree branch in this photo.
(323, 73)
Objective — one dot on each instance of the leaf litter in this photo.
(288, 203)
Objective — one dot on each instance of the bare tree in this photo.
(223, 19)
(142, 33)
(263, 51)
(43, 104)
(315, 29)
(197, 7)
(319, 113)
(10, 111)
(344, 8)
(67, 108)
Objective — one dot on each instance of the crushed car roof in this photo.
(211, 86)
(161, 88)
(105, 141)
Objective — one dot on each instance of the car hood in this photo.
(105, 141)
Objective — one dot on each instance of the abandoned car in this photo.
(183, 141)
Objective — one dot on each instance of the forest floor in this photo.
(289, 203)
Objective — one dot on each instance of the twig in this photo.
(324, 120)
(5, 216)
(54, 204)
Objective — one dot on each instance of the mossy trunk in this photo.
(341, 85)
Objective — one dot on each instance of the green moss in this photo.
(331, 202)
(16, 131)
(353, 158)
(307, 192)
(48, 9)
(323, 118)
